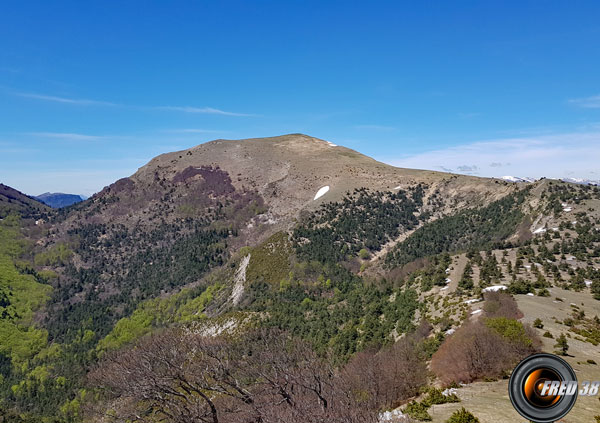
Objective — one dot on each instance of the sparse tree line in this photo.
(478, 228)
(362, 220)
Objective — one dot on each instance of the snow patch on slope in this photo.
(494, 288)
(392, 416)
(321, 192)
(517, 179)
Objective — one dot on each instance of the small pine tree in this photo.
(561, 344)
(462, 416)
(417, 411)
(537, 323)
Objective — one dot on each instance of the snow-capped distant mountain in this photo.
(517, 179)
(580, 181)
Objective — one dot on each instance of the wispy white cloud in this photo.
(9, 70)
(204, 110)
(66, 100)
(376, 127)
(592, 102)
(11, 150)
(90, 102)
(552, 156)
(468, 115)
(66, 136)
(468, 168)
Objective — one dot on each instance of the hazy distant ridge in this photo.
(58, 199)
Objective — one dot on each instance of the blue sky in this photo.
(90, 91)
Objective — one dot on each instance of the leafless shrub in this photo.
(501, 304)
(479, 351)
(382, 380)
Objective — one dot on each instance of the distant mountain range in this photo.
(580, 181)
(517, 179)
(59, 199)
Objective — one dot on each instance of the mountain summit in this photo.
(289, 170)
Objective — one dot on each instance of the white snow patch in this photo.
(555, 229)
(477, 311)
(449, 391)
(588, 283)
(510, 178)
(240, 280)
(392, 416)
(450, 331)
(444, 288)
(567, 209)
(447, 270)
(398, 187)
(474, 300)
(321, 192)
(539, 231)
(448, 280)
(331, 144)
(530, 294)
(494, 288)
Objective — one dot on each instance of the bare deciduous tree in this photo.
(180, 376)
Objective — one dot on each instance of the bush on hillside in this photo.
(417, 411)
(435, 396)
(462, 416)
(501, 304)
(481, 350)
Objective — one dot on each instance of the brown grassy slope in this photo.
(288, 170)
(285, 172)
